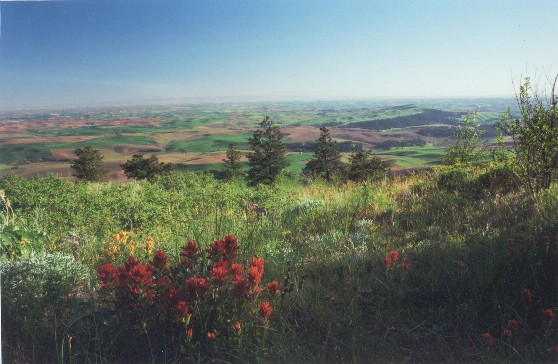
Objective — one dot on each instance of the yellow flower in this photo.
(149, 244)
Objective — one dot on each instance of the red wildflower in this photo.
(131, 262)
(513, 324)
(258, 263)
(507, 333)
(219, 274)
(189, 253)
(211, 335)
(526, 295)
(394, 255)
(189, 333)
(236, 269)
(549, 314)
(196, 286)
(254, 276)
(265, 310)
(182, 309)
(273, 288)
(225, 249)
(488, 338)
(387, 260)
(236, 326)
(106, 274)
(160, 260)
(239, 284)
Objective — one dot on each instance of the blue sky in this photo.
(69, 53)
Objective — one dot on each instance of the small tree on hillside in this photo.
(535, 136)
(363, 167)
(145, 168)
(89, 165)
(268, 158)
(467, 141)
(233, 165)
(326, 162)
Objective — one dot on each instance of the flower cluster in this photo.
(189, 293)
(122, 243)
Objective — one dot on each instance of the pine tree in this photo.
(362, 167)
(233, 165)
(142, 168)
(268, 158)
(326, 162)
(89, 165)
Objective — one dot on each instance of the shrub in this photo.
(38, 297)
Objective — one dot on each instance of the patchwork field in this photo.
(195, 137)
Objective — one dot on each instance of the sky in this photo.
(101, 52)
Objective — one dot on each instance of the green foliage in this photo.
(465, 151)
(145, 168)
(363, 167)
(268, 159)
(233, 165)
(89, 165)
(535, 136)
(326, 162)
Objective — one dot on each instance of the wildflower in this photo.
(196, 286)
(211, 335)
(258, 263)
(526, 295)
(189, 334)
(112, 250)
(254, 276)
(182, 309)
(394, 255)
(265, 310)
(513, 324)
(273, 288)
(149, 244)
(387, 260)
(236, 325)
(488, 338)
(507, 333)
(219, 274)
(106, 274)
(549, 314)
(160, 260)
(236, 269)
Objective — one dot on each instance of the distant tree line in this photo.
(343, 147)
(426, 117)
(388, 144)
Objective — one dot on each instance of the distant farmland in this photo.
(195, 137)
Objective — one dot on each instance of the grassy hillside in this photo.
(450, 265)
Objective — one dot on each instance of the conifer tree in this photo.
(362, 167)
(145, 168)
(268, 159)
(233, 165)
(89, 165)
(326, 162)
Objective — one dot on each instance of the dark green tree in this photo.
(233, 165)
(268, 159)
(145, 168)
(89, 165)
(465, 150)
(363, 167)
(535, 136)
(326, 162)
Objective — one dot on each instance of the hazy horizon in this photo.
(98, 53)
